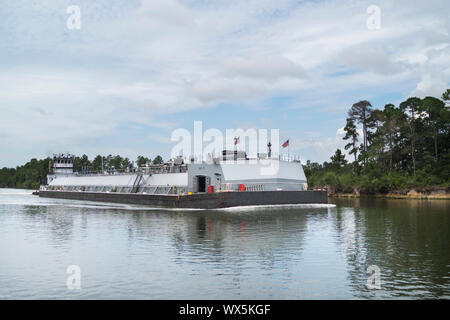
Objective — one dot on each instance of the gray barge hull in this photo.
(198, 200)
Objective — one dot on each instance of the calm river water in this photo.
(301, 252)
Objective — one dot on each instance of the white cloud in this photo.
(371, 59)
(431, 84)
(340, 132)
(270, 68)
(142, 61)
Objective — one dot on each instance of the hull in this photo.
(199, 200)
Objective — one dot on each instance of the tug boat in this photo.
(227, 181)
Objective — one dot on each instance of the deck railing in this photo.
(159, 189)
(154, 169)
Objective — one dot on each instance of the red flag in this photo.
(236, 140)
(284, 145)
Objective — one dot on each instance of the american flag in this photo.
(284, 145)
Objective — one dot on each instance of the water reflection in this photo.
(408, 240)
(249, 253)
(212, 236)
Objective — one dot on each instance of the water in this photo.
(297, 252)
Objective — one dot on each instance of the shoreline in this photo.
(417, 194)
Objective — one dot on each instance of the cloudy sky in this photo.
(137, 70)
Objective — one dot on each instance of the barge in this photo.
(227, 181)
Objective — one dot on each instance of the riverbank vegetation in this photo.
(394, 149)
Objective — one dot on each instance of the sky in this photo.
(137, 70)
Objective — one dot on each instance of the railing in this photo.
(266, 186)
(291, 157)
(162, 169)
(159, 189)
(156, 169)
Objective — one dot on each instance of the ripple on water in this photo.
(269, 252)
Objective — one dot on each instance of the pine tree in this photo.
(446, 95)
(390, 128)
(412, 106)
(338, 160)
(435, 110)
(360, 112)
(351, 134)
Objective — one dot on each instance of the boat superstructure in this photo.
(177, 177)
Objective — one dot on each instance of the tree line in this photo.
(117, 162)
(394, 148)
(34, 173)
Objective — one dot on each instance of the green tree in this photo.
(360, 113)
(436, 118)
(141, 161)
(158, 160)
(97, 163)
(107, 161)
(446, 95)
(116, 162)
(28, 176)
(125, 163)
(80, 162)
(376, 138)
(338, 160)
(389, 129)
(443, 167)
(351, 134)
(411, 106)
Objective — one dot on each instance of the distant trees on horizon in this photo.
(34, 172)
(109, 161)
